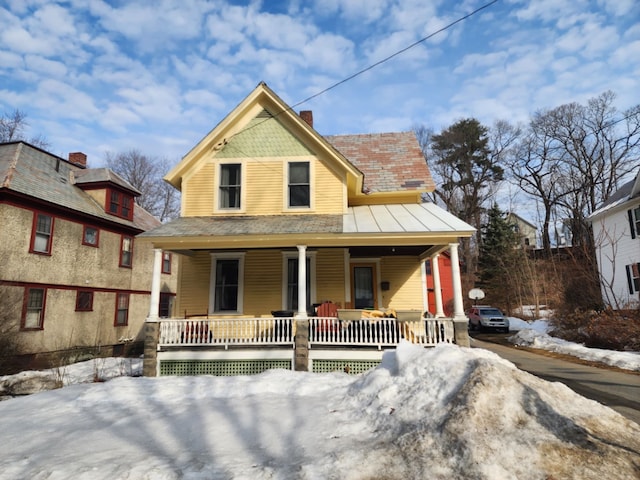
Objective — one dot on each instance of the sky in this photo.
(438, 413)
(110, 76)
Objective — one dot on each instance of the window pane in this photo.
(84, 301)
(127, 247)
(292, 283)
(230, 186)
(299, 172)
(42, 233)
(299, 195)
(122, 309)
(226, 289)
(114, 203)
(90, 235)
(41, 243)
(35, 303)
(363, 287)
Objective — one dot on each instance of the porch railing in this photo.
(226, 332)
(380, 332)
(323, 331)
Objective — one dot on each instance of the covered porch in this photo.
(259, 291)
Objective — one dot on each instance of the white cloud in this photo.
(44, 66)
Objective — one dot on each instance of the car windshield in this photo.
(490, 311)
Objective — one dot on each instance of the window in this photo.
(90, 236)
(292, 283)
(84, 301)
(634, 222)
(126, 251)
(299, 187)
(122, 309)
(633, 277)
(33, 314)
(166, 262)
(230, 178)
(166, 304)
(226, 282)
(120, 204)
(41, 234)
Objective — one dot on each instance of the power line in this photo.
(370, 67)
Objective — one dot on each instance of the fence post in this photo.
(301, 345)
(151, 337)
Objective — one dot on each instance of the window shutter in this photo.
(632, 225)
(629, 279)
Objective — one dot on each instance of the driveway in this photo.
(613, 387)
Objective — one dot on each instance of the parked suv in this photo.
(483, 317)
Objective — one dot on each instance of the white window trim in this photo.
(243, 187)
(285, 189)
(212, 281)
(312, 275)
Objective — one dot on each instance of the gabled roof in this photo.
(31, 173)
(629, 192)
(101, 176)
(389, 161)
(245, 121)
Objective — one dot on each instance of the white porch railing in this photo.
(323, 331)
(226, 332)
(380, 332)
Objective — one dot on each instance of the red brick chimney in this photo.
(79, 159)
(307, 116)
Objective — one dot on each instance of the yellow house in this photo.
(278, 220)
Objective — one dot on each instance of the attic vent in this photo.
(264, 114)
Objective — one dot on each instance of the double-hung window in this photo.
(33, 314)
(633, 277)
(229, 194)
(299, 185)
(41, 234)
(634, 222)
(126, 251)
(122, 310)
(166, 262)
(227, 272)
(120, 204)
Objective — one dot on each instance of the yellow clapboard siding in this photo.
(263, 282)
(193, 292)
(330, 275)
(264, 187)
(197, 191)
(405, 285)
(329, 190)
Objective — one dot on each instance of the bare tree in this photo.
(145, 173)
(13, 126)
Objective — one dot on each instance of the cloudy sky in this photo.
(98, 76)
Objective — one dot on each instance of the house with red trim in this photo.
(73, 278)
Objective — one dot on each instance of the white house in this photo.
(616, 231)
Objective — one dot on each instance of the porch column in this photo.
(458, 307)
(437, 288)
(154, 303)
(302, 282)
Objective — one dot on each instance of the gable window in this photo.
(126, 251)
(41, 234)
(33, 312)
(84, 301)
(122, 309)
(166, 262)
(633, 277)
(227, 273)
(299, 185)
(90, 236)
(120, 204)
(230, 186)
(634, 222)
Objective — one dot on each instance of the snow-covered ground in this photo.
(536, 335)
(439, 413)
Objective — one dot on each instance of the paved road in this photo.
(613, 388)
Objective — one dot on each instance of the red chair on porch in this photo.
(328, 317)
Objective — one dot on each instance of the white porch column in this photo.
(154, 302)
(437, 287)
(458, 307)
(302, 282)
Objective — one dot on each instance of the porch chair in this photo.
(324, 311)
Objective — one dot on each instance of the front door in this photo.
(363, 280)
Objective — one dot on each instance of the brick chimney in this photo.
(307, 116)
(79, 159)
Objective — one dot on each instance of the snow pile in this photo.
(439, 413)
(539, 339)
